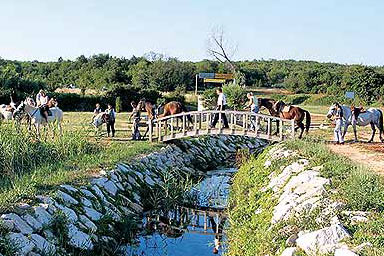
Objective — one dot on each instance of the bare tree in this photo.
(221, 49)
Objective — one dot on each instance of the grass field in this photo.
(31, 167)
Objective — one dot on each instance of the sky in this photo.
(342, 31)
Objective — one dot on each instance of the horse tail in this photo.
(307, 120)
(381, 126)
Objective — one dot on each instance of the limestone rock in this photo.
(33, 222)
(79, 239)
(64, 197)
(344, 252)
(69, 188)
(322, 241)
(88, 223)
(42, 245)
(19, 224)
(290, 251)
(22, 243)
(92, 213)
(71, 214)
(42, 215)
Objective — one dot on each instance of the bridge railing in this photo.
(195, 123)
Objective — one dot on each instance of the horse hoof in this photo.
(370, 141)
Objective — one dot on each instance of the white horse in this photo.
(37, 119)
(5, 112)
(372, 116)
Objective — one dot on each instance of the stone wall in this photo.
(301, 192)
(80, 219)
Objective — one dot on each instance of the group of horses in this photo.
(351, 115)
(27, 110)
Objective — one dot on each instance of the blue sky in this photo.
(344, 31)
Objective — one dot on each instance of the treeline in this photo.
(157, 73)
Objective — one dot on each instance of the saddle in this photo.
(286, 108)
(9, 109)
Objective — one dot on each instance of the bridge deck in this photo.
(241, 123)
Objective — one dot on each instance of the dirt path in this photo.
(369, 155)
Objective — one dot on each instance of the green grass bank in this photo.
(251, 207)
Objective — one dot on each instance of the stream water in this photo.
(202, 233)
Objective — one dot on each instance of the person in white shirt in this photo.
(111, 120)
(42, 100)
(221, 105)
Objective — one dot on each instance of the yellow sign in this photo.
(223, 76)
(210, 80)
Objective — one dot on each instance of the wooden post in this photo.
(195, 124)
(196, 81)
(208, 122)
(184, 127)
(233, 123)
(200, 120)
(269, 128)
(150, 128)
(159, 131)
(172, 129)
(293, 128)
(257, 125)
(244, 123)
(281, 129)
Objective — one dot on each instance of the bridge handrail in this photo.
(221, 111)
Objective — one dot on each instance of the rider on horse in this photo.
(43, 102)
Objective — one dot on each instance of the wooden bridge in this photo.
(242, 123)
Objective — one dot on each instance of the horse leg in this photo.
(373, 131)
(301, 126)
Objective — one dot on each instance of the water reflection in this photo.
(187, 231)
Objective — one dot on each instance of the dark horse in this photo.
(268, 104)
(171, 108)
(296, 113)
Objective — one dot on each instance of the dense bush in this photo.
(209, 97)
(118, 104)
(236, 96)
(155, 72)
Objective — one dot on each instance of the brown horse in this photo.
(148, 107)
(171, 108)
(268, 104)
(296, 113)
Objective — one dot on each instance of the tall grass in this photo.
(21, 152)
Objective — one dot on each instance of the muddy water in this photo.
(198, 233)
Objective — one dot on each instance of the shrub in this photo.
(209, 98)
(364, 191)
(236, 96)
(118, 105)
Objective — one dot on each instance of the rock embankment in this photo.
(301, 192)
(84, 218)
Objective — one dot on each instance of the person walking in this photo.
(136, 115)
(221, 106)
(253, 105)
(338, 135)
(111, 120)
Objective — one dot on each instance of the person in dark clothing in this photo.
(221, 105)
(136, 115)
(111, 120)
